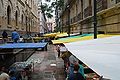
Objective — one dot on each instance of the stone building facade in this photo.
(42, 20)
(21, 15)
(81, 16)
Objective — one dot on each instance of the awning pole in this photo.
(95, 20)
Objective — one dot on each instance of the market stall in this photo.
(101, 55)
(82, 37)
(13, 52)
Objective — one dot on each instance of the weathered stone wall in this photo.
(22, 15)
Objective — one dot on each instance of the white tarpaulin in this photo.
(101, 55)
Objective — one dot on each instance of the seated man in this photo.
(76, 75)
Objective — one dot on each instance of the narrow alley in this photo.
(47, 66)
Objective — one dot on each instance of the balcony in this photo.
(21, 2)
(101, 5)
(73, 20)
(76, 18)
(88, 11)
(79, 16)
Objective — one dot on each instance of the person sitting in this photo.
(76, 75)
(72, 61)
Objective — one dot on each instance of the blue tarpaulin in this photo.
(22, 45)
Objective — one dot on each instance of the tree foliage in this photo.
(48, 10)
(59, 4)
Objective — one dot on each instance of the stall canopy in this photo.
(79, 38)
(23, 45)
(73, 37)
(101, 55)
(51, 34)
(61, 35)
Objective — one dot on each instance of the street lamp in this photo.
(95, 19)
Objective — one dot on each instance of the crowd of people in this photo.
(73, 68)
(17, 38)
(12, 74)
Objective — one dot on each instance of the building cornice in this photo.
(21, 2)
(34, 15)
(27, 5)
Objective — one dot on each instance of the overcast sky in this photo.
(43, 1)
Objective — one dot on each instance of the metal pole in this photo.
(95, 20)
(68, 20)
(57, 20)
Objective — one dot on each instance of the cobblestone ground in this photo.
(49, 66)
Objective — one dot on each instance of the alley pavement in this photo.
(47, 66)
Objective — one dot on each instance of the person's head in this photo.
(80, 62)
(23, 72)
(73, 60)
(20, 36)
(11, 73)
(14, 29)
(4, 31)
(76, 67)
(2, 68)
(62, 44)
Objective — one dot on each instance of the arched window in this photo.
(31, 4)
(22, 20)
(8, 15)
(26, 20)
(16, 18)
(90, 2)
(0, 7)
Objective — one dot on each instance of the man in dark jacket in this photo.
(4, 36)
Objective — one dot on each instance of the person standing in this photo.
(58, 50)
(4, 36)
(15, 36)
